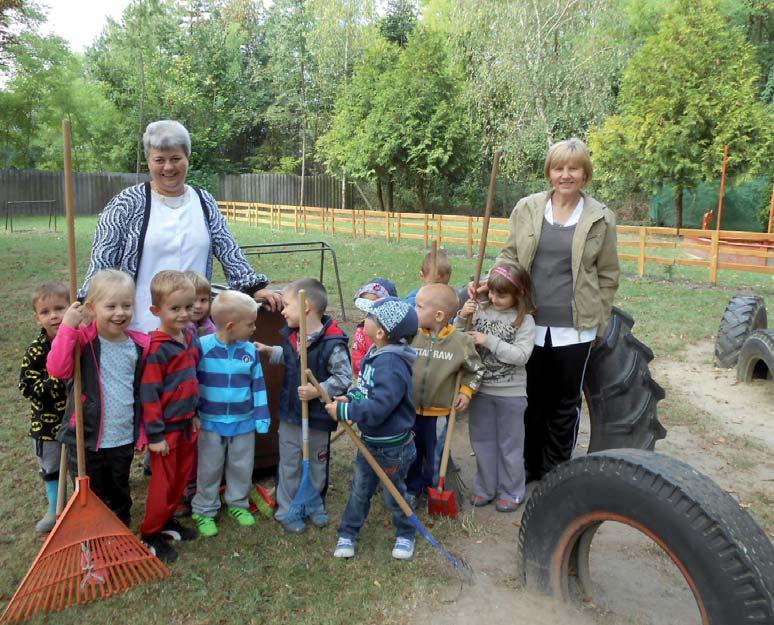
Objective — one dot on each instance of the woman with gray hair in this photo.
(166, 224)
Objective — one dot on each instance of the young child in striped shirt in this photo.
(233, 406)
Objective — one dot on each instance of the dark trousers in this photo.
(108, 471)
(554, 387)
(420, 474)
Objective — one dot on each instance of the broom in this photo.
(307, 500)
(463, 569)
(440, 502)
(89, 554)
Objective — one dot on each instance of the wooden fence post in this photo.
(425, 232)
(641, 259)
(470, 237)
(399, 214)
(439, 218)
(714, 257)
(387, 217)
(354, 229)
(362, 216)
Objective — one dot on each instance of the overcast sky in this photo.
(81, 21)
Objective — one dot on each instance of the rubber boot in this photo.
(46, 524)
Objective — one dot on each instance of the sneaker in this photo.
(159, 547)
(294, 526)
(174, 530)
(319, 519)
(505, 505)
(478, 501)
(242, 516)
(206, 524)
(345, 548)
(403, 549)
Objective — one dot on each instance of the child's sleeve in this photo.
(339, 372)
(34, 380)
(360, 348)
(151, 388)
(518, 352)
(61, 359)
(260, 398)
(472, 368)
(277, 356)
(383, 398)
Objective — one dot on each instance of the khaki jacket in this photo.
(595, 267)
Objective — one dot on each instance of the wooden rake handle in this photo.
(364, 450)
(302, 352)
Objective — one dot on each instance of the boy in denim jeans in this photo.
(381, 404)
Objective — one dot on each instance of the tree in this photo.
(15, 16)
(690, 90)
(399, 22)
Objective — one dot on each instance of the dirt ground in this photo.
(718, 426)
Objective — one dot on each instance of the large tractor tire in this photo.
(743, 315)
(726, 558)
(621, 395)
(756, 358)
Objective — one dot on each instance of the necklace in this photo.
(171, 201)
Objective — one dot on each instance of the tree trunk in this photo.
(421, 194)
(390, 193)
(679, 206)
(379, 195)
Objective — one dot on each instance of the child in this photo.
(232, 407)
(504, 334)
(328, 358)
(374, 290)
(46, 394)
(170, 393)
(111, 365)
(442, 351)
(381, 406)
(200, 319)
(443, 270)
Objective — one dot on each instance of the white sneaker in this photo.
(403, 549)
(345, 548)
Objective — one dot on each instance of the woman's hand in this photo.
(468, 309)
(74, 315)
(479, 338)
(271, 298)
(474, 293)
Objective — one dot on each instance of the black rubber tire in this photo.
(726, 558)
(743, 315)
(756, 359)
(621, 396)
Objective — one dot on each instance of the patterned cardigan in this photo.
(120, 235)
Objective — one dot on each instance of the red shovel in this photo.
(442, 502)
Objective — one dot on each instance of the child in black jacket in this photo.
(382, 406)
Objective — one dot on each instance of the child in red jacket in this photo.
(170, 393)
(377, 288)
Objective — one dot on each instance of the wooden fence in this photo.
(725, 249)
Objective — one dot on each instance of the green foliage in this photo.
(399, 22)
(690, 90)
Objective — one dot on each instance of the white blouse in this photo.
(176, 238)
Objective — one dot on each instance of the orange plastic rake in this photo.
(89, 554)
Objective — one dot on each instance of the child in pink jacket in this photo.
(373, 290)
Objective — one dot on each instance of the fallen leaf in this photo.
(376, 583)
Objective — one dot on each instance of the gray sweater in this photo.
(505, 352)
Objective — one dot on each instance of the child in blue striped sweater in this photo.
(233, 406)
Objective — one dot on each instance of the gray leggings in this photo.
(497, 436)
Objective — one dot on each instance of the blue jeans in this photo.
(396, 462)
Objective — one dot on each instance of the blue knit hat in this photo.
(398, 318)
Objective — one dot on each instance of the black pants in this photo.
(108, 471)
(554, 387)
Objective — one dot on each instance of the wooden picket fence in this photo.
(645, 245)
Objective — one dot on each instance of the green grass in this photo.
(261, 575)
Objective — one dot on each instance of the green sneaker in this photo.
(242, 516)
(206, 525)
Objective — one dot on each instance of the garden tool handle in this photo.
(70, 214)
(452, 420)
(365, 451)
(487, 216)
(61, 490)
(303, 354)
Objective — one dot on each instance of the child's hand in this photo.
(262, 349)
(196, 424)
(468, 309)
(308, 392)
(332, 407)
(479, 338)
(159, 448)
(461, 402)
(262, 426)
(140, 449)
(74, 315)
